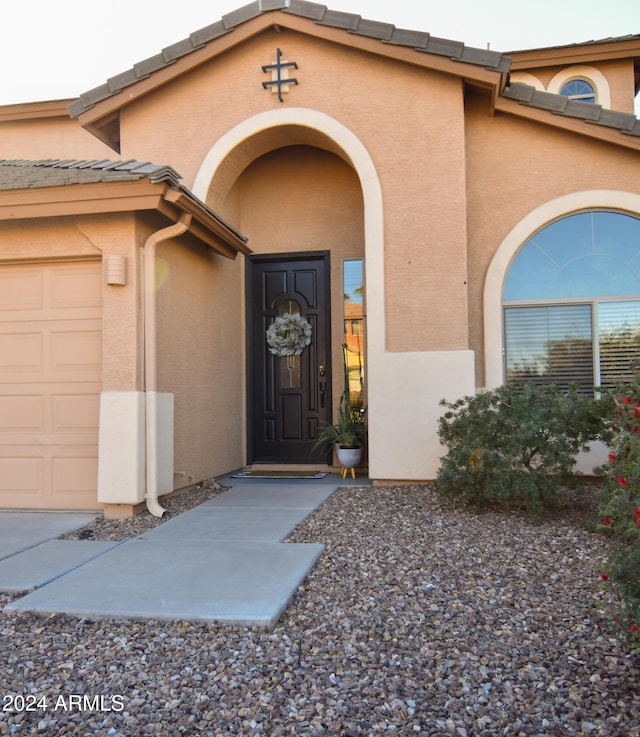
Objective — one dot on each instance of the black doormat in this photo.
(249, 474)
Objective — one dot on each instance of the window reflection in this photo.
(353, 337)
(591, 254)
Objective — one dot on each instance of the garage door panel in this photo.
(74, 476)
(75, 413)
(76, 349)
(20, 352)
(20, 289)
(60, 350)
(20, 479)
(75, 287)
(21, 413)
(50, 382)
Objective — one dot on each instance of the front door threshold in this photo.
(312, 467)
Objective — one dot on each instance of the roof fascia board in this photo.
(112, 197)
(573, 125)
(92, 117)
(34, 110)
(95, 198)
(569, 55)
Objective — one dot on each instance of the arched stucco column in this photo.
(404, 389)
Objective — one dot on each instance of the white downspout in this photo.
(150, 355)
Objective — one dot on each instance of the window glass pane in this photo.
(619, 337)
(597, 276)
(532, 275)
(567, 239)
(550, 345)
(353, 339)
(579, 89)
(618, 236)
(585, 255)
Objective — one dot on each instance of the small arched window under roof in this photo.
(579, 89)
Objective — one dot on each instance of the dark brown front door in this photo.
(289, 396)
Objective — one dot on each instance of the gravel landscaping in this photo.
(419, 619)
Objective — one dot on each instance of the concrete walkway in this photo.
(223, 561)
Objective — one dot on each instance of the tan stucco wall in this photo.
(513, 167)
(201, 358)
(50, 138)
(422, 176)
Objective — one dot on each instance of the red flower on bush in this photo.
(603, 576)
(622, 480)
(636, 514)
(606, 521)
(626, 400)
(612, 457)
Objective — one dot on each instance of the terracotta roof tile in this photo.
(179, 49)
(414, 39)
(148, 66)
(374, 29)
(209, 33)
(241, 15)
(314, 11)
(528, 95)
(27, 174)
(124, 79)
(339, 19)
(583, 110)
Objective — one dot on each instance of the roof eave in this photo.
(98, 107)
(127, 196)
(574, 125)
(34, 110)
(584, 53)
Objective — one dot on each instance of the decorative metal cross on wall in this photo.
(279, 80)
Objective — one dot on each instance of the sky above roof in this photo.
(56, 49)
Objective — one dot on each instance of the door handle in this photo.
(323, 393)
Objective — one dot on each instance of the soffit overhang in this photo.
(26, 201)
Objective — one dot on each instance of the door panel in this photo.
(289, 396)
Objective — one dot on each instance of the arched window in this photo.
(579, 89)
(572, 303)
(581, 82)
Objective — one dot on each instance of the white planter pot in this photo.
(348, 457)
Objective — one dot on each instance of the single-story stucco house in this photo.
(449, 218)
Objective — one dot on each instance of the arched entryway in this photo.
(295, 192)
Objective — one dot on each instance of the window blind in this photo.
(619, 341)
(550, 345)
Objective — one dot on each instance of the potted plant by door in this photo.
(348, 435)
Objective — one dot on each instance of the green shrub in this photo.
(515, 445)
(620, 509)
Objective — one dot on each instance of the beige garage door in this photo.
(50, 374)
